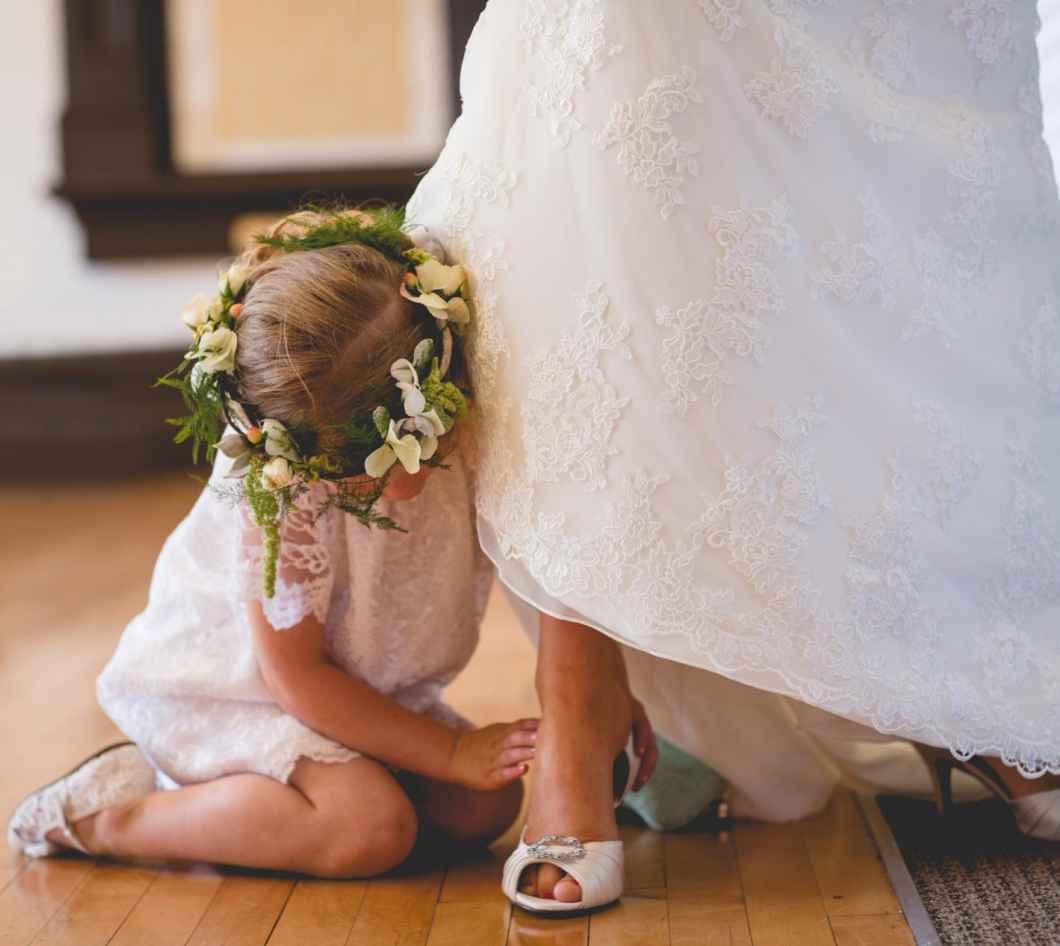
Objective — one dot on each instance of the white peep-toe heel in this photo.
(116, 775)
(597, 866)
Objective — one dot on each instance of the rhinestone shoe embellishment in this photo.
(557, 847)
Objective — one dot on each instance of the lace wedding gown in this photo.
(768, 351)
(401, 612)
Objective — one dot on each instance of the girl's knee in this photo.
(366, 846)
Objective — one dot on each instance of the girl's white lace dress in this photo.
(768, 348)
(402, 613)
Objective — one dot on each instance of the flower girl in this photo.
(282, 687)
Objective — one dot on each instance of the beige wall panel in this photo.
(287, 69)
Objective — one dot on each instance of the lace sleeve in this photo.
(304, 572)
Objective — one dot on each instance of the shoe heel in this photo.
(941, 765)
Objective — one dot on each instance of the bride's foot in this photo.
(572, 791)
(1018, 786)
(1035, 803)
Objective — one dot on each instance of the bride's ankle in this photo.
(603, 713)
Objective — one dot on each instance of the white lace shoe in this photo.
(597, 866)
(116, 775)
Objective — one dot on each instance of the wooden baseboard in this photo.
(86, 416)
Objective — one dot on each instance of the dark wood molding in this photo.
(117, 160)
(88, 416)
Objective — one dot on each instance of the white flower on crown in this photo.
(436, 281)
(278, 442)
(200, 312)
(217, 349)
(277, 474)
(408, 381)
(233, 278)
(396, 447)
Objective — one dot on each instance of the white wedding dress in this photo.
(768, 355)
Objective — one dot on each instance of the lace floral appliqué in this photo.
(571, 410)
(860, 270)
(568, 40)
(724, 16)
(988, 27)
(796, 88)
(648, 150)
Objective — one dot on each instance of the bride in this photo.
(768, 354)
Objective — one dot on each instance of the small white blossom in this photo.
(405, 448)
(444, 310)
(217, 349)
(278, 442)
(437, 277)
(277, 474)
(408, 381)
(201, 311)
(233, 278)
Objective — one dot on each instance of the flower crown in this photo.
(277, 462)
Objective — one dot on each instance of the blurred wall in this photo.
(51, 300)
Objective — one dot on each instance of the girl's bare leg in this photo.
(586, 713)
(463, 814)
(332, 820)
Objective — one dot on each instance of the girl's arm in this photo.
(303, 680)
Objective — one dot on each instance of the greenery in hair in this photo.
(267, 507)
(205, 418)
(444, 396)
(383, 231)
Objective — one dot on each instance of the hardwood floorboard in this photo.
(171, 909)
(850, 874)
(871, 931)
(243, 912)
(470, 924)
(784, 904)
(476, 881)
(703, 868)
(319, 912)
(526, 929)
(633, 921)
(397, 911)
(37, 894)
(697, 923)
(99, 906)
(645, 859)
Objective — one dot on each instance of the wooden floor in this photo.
(74, 568)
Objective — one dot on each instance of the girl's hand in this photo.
(489, 758)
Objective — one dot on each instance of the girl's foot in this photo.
(41, 824)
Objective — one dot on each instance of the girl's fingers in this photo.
(520, 737)
(528, 723)
(516, 755)
(510, 773)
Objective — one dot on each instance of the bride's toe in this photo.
(548, 875)
(528, 881)
(567, 890)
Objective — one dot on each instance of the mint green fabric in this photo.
(680, 789)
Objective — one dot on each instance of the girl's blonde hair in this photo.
(320, 329)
